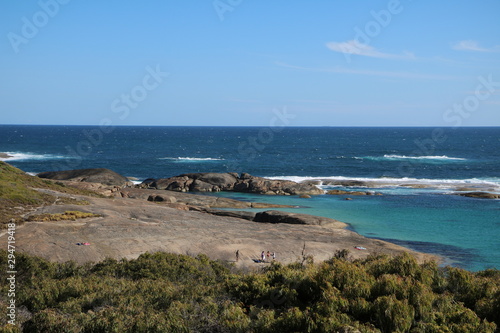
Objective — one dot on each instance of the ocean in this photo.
(418, 171)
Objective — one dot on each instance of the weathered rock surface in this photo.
(215, 182)
(480, 195)
(228, 213)
(196, 200)
(348, 183)
(100, 175)
(275, 216)
(162, 198)
(4, 155)
(128, 228)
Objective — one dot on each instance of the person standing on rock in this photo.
(237, 255)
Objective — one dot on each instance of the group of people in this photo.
(263, 256)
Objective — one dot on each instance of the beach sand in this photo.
(129, 227)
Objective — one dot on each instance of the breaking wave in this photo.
(191, 159)
(443, 157)
(16, 156)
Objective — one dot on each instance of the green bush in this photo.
(162, 292)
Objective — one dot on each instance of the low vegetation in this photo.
(66, 216)
(18, 195)
(164, 292)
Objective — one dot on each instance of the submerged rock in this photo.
(480, 195)
(342, 192)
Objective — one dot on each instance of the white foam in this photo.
(392, 182)
(17, 156)
(191, 159)
(443, 157)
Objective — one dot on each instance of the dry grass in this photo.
(66, 216)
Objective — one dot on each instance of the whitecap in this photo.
(443, 157)
(191, 159)
(17, 156)
(390, 182)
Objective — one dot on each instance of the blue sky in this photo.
(241, 62)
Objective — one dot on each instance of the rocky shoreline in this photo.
(5, 156)
(134, 220)
(246, 183)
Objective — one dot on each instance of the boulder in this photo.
(162, 198)
(347, 183)
(251, 184)
(274, 216)
(4, 155)
(214, 182)
(101, 175)
(179, 183)
(480, 195)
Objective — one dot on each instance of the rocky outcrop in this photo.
(342, 192)
(192, 200)
(197, 182)
(275, 216)
(347, 183)
(480, 195)
(162, 198)
(101, 175)
(215, 182)
(4, 155)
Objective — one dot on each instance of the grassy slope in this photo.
(16, 190)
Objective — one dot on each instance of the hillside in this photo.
(17, 194)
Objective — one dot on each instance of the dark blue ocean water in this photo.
(463, 230)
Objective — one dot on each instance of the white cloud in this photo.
(471, 45)
(356, 48)
(390, 74)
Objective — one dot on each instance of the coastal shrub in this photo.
(352, 279)
(162, 292)
(392, 315)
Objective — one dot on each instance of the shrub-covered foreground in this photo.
(164, 292)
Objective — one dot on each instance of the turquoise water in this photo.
(465, 231)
